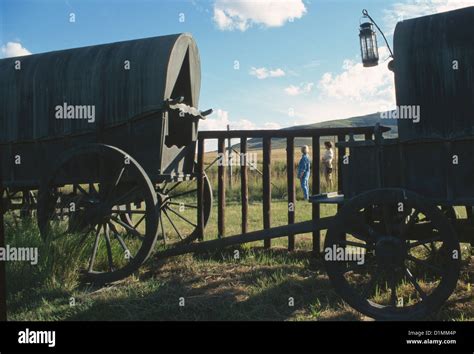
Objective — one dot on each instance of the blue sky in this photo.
(298, 60)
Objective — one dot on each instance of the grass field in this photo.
(259, 285)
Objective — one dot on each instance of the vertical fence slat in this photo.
(200, 187)
(221, 187)
(230, 154)
(267, 187)
(316, 189)
(340, 157)
(290, 163)
(244, 183)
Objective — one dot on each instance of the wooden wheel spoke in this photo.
(426, 264)
(139, 221)
(82, 190)
(182, 217)
(172, 188)
(85, 234)
(127, 227)
(122, 199)
(423, 242)
(130, 212)
(120, 240)
(109, 248)
(405, 228)
(159, 188)
(185, 193)
(93, 190)
(94, 250)
(114, 184)
(172, 223)
(415, 284)
(361, 230)
(162, 229)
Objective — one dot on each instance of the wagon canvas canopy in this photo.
(119, 80)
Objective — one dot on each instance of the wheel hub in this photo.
(389, 252)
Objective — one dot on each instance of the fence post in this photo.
(267, 189)
(244, 183)
(200, 182)
(341, 152)
(221, 187)
(290, 176)
(229, 157)
(316, 189)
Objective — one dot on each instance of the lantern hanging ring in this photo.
(365, 13)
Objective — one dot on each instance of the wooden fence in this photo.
(266, 136)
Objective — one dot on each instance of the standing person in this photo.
(327, 163)
(304, 168)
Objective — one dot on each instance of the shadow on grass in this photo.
(226, 291)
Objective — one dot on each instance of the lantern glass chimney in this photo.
(368, 45)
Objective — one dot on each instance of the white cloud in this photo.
(303, 88)
(359, 84)
(242, 14)
(13, 49)
(219, 121)
(352, 91)
(271, 125)
(263, 73)
(416, 8)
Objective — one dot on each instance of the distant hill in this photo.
(360, 121)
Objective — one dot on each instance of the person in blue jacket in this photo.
(304, 169)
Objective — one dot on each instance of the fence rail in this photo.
(267, 135)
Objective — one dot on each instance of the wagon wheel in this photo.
(179, 210)
(396, 278)
(19, 204)
(421, 224)
(90, 216)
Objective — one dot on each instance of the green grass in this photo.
(215, 286)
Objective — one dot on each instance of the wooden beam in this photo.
(290, 176)
(316, 189)
(244, 183)
(267, 189)
(221, 187)
(200, 187)
(274, 232)
(296, 133)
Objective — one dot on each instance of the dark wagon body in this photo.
(127, 83)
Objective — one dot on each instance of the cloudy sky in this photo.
(265, 63)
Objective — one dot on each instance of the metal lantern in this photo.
(368, 45)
